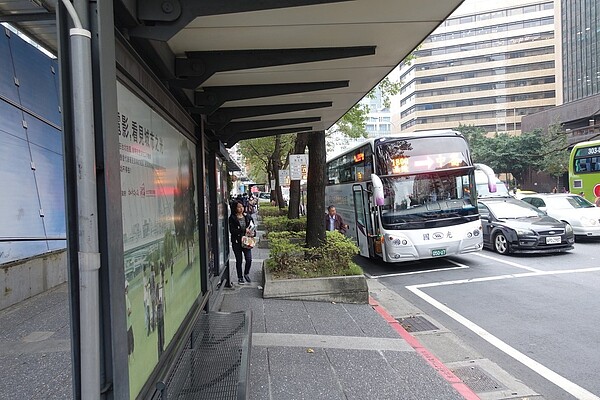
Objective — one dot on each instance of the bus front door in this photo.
(364, 226)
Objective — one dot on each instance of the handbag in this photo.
(248, 242)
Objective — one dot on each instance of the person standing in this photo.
(334, 221)
(241, 224)
(130, 337)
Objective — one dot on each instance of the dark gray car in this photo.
(513, 226)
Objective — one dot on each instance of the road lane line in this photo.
(507, 276)
(535, 366)
(461, 266)
(514, 264)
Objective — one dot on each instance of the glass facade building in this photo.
(32, 203)
(487, 65)
(580, 20)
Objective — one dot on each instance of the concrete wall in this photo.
(25, 278)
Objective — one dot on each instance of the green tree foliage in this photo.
(512, 154)
(554, 151)
(260, 154)
(184, 203)
(352, 124)
(169, 249)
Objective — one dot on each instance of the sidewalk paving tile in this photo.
(258, 385)
(332, 319)
(287, 316)
(297, 374)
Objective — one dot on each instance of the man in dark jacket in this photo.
(334, 221)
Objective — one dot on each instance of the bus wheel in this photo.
(501, 244)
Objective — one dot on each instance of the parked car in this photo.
(582, 215)
(514, 226)
(264, 197)
(519, 194)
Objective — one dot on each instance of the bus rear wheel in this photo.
(501, 244)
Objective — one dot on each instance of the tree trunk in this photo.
(294, 209)
(276, 167)
(315, 227)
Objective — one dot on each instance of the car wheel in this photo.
(501, 244)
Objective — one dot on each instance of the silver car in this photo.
(583, 216)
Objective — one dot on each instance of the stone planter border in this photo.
(339, 289)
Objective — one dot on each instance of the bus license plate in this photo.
(438, 252)
(553, 240)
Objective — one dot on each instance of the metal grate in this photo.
(476, 378)
(215, 365)
(416, 324)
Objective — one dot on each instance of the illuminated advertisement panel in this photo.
(160, 231)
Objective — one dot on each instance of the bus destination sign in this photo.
(588, 151)
(424, 163)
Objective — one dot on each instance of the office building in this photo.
(487, 65)
(578, 72)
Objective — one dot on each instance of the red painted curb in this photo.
(432, 360)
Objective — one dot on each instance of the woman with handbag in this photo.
(241, 227)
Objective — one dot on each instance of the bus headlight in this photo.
(475, 233)
(397, 241)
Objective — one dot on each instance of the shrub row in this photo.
(334, 258)
(283, 223)
(271, 211)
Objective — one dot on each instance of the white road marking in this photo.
(514, 264)
(461, 266)
(535, 366)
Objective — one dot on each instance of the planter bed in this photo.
(339, 289)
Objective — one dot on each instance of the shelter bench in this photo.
(214, 362)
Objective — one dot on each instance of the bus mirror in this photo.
(378, 196)
(491, 177)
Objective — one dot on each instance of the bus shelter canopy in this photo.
(259, 68)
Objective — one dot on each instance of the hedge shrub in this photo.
(271, 211)
(293, 260)
(283, 223)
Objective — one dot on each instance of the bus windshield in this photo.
(429, 200)
(584, 169)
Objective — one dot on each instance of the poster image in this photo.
(160, 231)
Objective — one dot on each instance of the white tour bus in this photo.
(408, 197)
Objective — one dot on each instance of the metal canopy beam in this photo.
(213, 97)
(237, 127)
(38, 16)
(224, 115)
(201, 65)
(167, 17)
(233, 139)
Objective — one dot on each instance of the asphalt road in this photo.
(536, 316)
